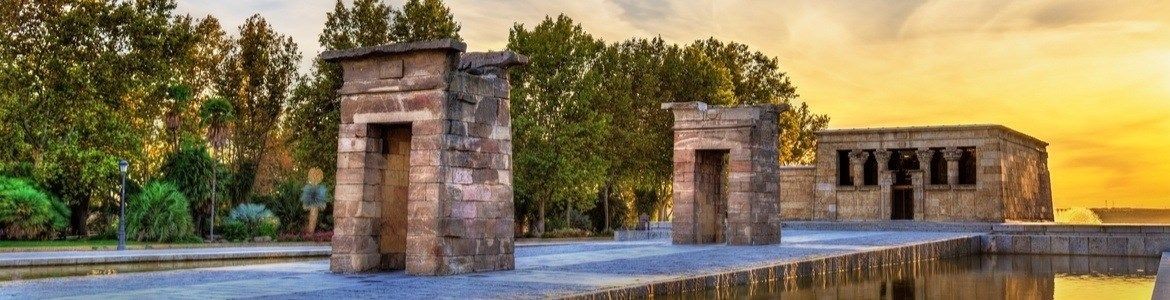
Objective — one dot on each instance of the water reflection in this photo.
(971, 277)
(22, 273)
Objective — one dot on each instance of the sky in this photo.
(1092, 78)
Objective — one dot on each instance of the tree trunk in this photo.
(78, 216)
(605, 204)
(311, 223)
(539, 232)
(568, 210)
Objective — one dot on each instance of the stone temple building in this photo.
(962, 173)
(725, 174)
(424, 160)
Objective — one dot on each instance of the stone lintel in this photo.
(449, 45)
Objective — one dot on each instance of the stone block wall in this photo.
(748, 134)
(796, 192)
(1011, 175)
(424, 177)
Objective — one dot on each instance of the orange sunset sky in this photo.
(1090, 77)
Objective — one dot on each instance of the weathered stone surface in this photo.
(725, 182)
(424, 167)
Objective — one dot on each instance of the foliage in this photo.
(191, 169)
(250, 220)
(567, 233)
(258, 74)
(558, 133)
(92, 74)
(159, 214)
(421, 20)
(314, 195)
(27, 212)
(285, 203)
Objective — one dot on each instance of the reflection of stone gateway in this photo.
(725, 181)
(424, 177)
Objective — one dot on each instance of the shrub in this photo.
(159, 214)
(567, 233)
(286, 205)
(250, 220)
(27, 212)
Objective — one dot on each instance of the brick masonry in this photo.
(738, 208)
(1012, 180)
(424, 180)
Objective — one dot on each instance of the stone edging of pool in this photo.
(31, 259)
(954, 247)
(1162, 284)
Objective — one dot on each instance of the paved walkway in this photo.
(51, 258)
(541, 272)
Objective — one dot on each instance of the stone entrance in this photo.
(424, 180)
(725, 174)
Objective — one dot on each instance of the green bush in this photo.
(159, 214)
(567, 233)
(286, 205)
(27, 212)
(250, 220)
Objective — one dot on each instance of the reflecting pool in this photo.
(970, 277)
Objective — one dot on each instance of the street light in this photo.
(122, 166)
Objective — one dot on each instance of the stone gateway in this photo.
(424, 169)
(725, 174)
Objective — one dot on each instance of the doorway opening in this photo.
(711, 196)
(901, 163)
(395, 174)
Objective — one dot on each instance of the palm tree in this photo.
(217, 114)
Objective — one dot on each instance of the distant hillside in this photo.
(1132, 215)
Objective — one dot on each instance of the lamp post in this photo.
(122, 166)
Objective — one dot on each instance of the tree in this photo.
(422, 20)
(257, 75)
(557, 131)
(93, 76)
(217, 114)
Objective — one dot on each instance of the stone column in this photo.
(952, 156)
(857, 166)
(924, 157)
(916, 182)
(885, 180)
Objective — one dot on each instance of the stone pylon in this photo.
(424, 168)
(726, 174)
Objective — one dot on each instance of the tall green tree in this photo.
(557, 132)
(82, 84)
(421, 20)
(257, 78)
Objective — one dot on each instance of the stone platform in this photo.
(59, 258)
(1162, 284)
(581, 270)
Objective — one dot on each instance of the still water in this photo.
(21, 273)
(970, 277)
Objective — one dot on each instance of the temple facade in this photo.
(962, 173)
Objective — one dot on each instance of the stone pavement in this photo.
(541, 272)
(56, 258)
